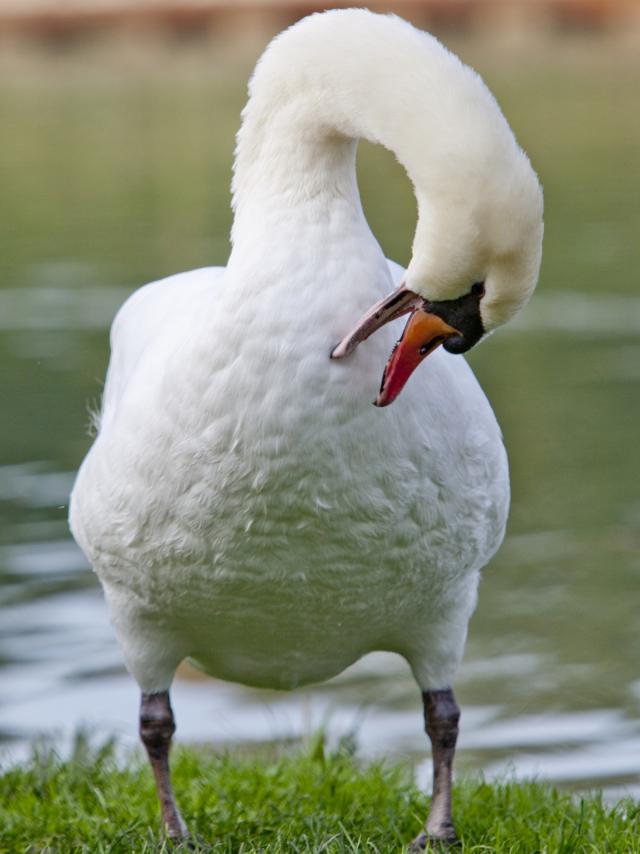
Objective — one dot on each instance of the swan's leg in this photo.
(441, 716)
(156, 728)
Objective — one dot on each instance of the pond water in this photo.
(112, 176)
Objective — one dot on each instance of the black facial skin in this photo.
(463, 314)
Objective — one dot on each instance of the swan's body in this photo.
(243, 503)
(278, 530)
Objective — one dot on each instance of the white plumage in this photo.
(243, 503)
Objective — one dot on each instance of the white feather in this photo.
(243, 503)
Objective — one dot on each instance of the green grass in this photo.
(302, 802)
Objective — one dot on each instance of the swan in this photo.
(243, 504)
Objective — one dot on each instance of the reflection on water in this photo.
(550, 684)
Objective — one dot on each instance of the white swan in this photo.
(243, 503)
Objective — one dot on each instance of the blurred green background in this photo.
(115, 170)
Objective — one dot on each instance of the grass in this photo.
(301, 802)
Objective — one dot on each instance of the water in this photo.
(112, 176)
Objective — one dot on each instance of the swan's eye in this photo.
(478, 289)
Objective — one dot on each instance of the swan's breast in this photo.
(235, 484)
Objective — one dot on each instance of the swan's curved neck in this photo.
(349, 74)
(285, 164)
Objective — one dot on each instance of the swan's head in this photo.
(475, 262)
(478, 244)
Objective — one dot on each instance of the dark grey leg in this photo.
(441, 716)
(156, 728)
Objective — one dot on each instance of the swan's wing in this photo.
(138, 323)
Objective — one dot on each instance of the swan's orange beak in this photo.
(423, 333)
